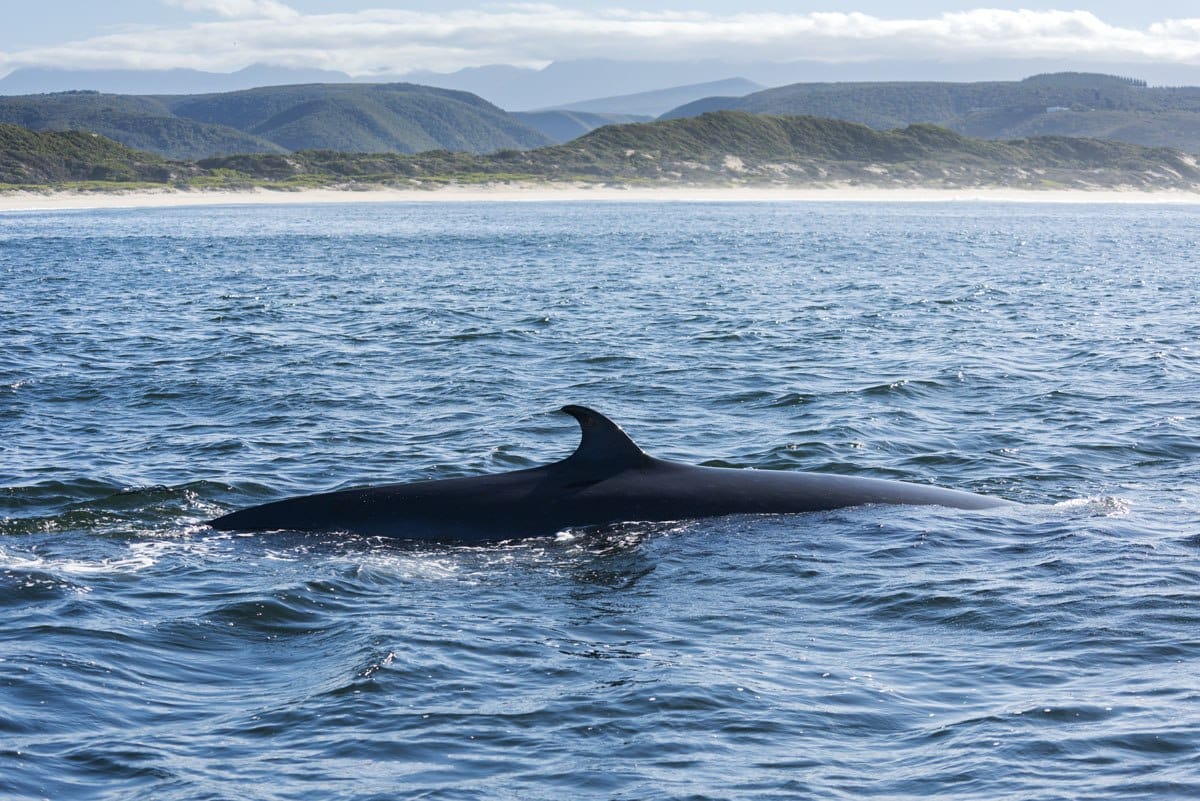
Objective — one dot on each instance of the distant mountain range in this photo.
(1061, 104)
(558, 85)
(573, 84)
(40, 80)
(567, 83)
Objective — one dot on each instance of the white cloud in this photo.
(233, 9)
(388, 40)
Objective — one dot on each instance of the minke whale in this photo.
(607, 480)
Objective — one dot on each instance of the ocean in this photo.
(159, 367)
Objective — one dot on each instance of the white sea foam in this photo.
(1096, 506)
(55, 566)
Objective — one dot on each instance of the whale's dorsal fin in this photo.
(604, 444)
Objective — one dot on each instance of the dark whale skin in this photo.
(608, 479)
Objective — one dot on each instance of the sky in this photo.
(369, 37)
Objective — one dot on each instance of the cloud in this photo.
(233, 9)
(376, 41)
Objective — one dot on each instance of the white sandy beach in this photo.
(541, 193)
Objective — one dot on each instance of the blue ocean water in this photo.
(161, 367)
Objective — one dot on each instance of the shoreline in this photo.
(542, 193)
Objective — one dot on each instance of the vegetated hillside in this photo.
(736, 147)
(398, 118)
(1071, 104)
(747, 144)
(563, 126)
(143, 123)
(362, 118)
(721, 148)
(35, 157)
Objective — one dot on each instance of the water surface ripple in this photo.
(160, 367)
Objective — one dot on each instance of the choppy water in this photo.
(160, 367)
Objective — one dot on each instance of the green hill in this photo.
(720, 148)
(1068, 104)
(736, 147)
(396, 118)
(32, 157)
(766, 147)
(367, 118)
(143, 123)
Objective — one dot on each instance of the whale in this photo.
(607, 480)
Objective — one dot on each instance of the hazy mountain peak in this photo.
(38, 80)
(659, 101)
